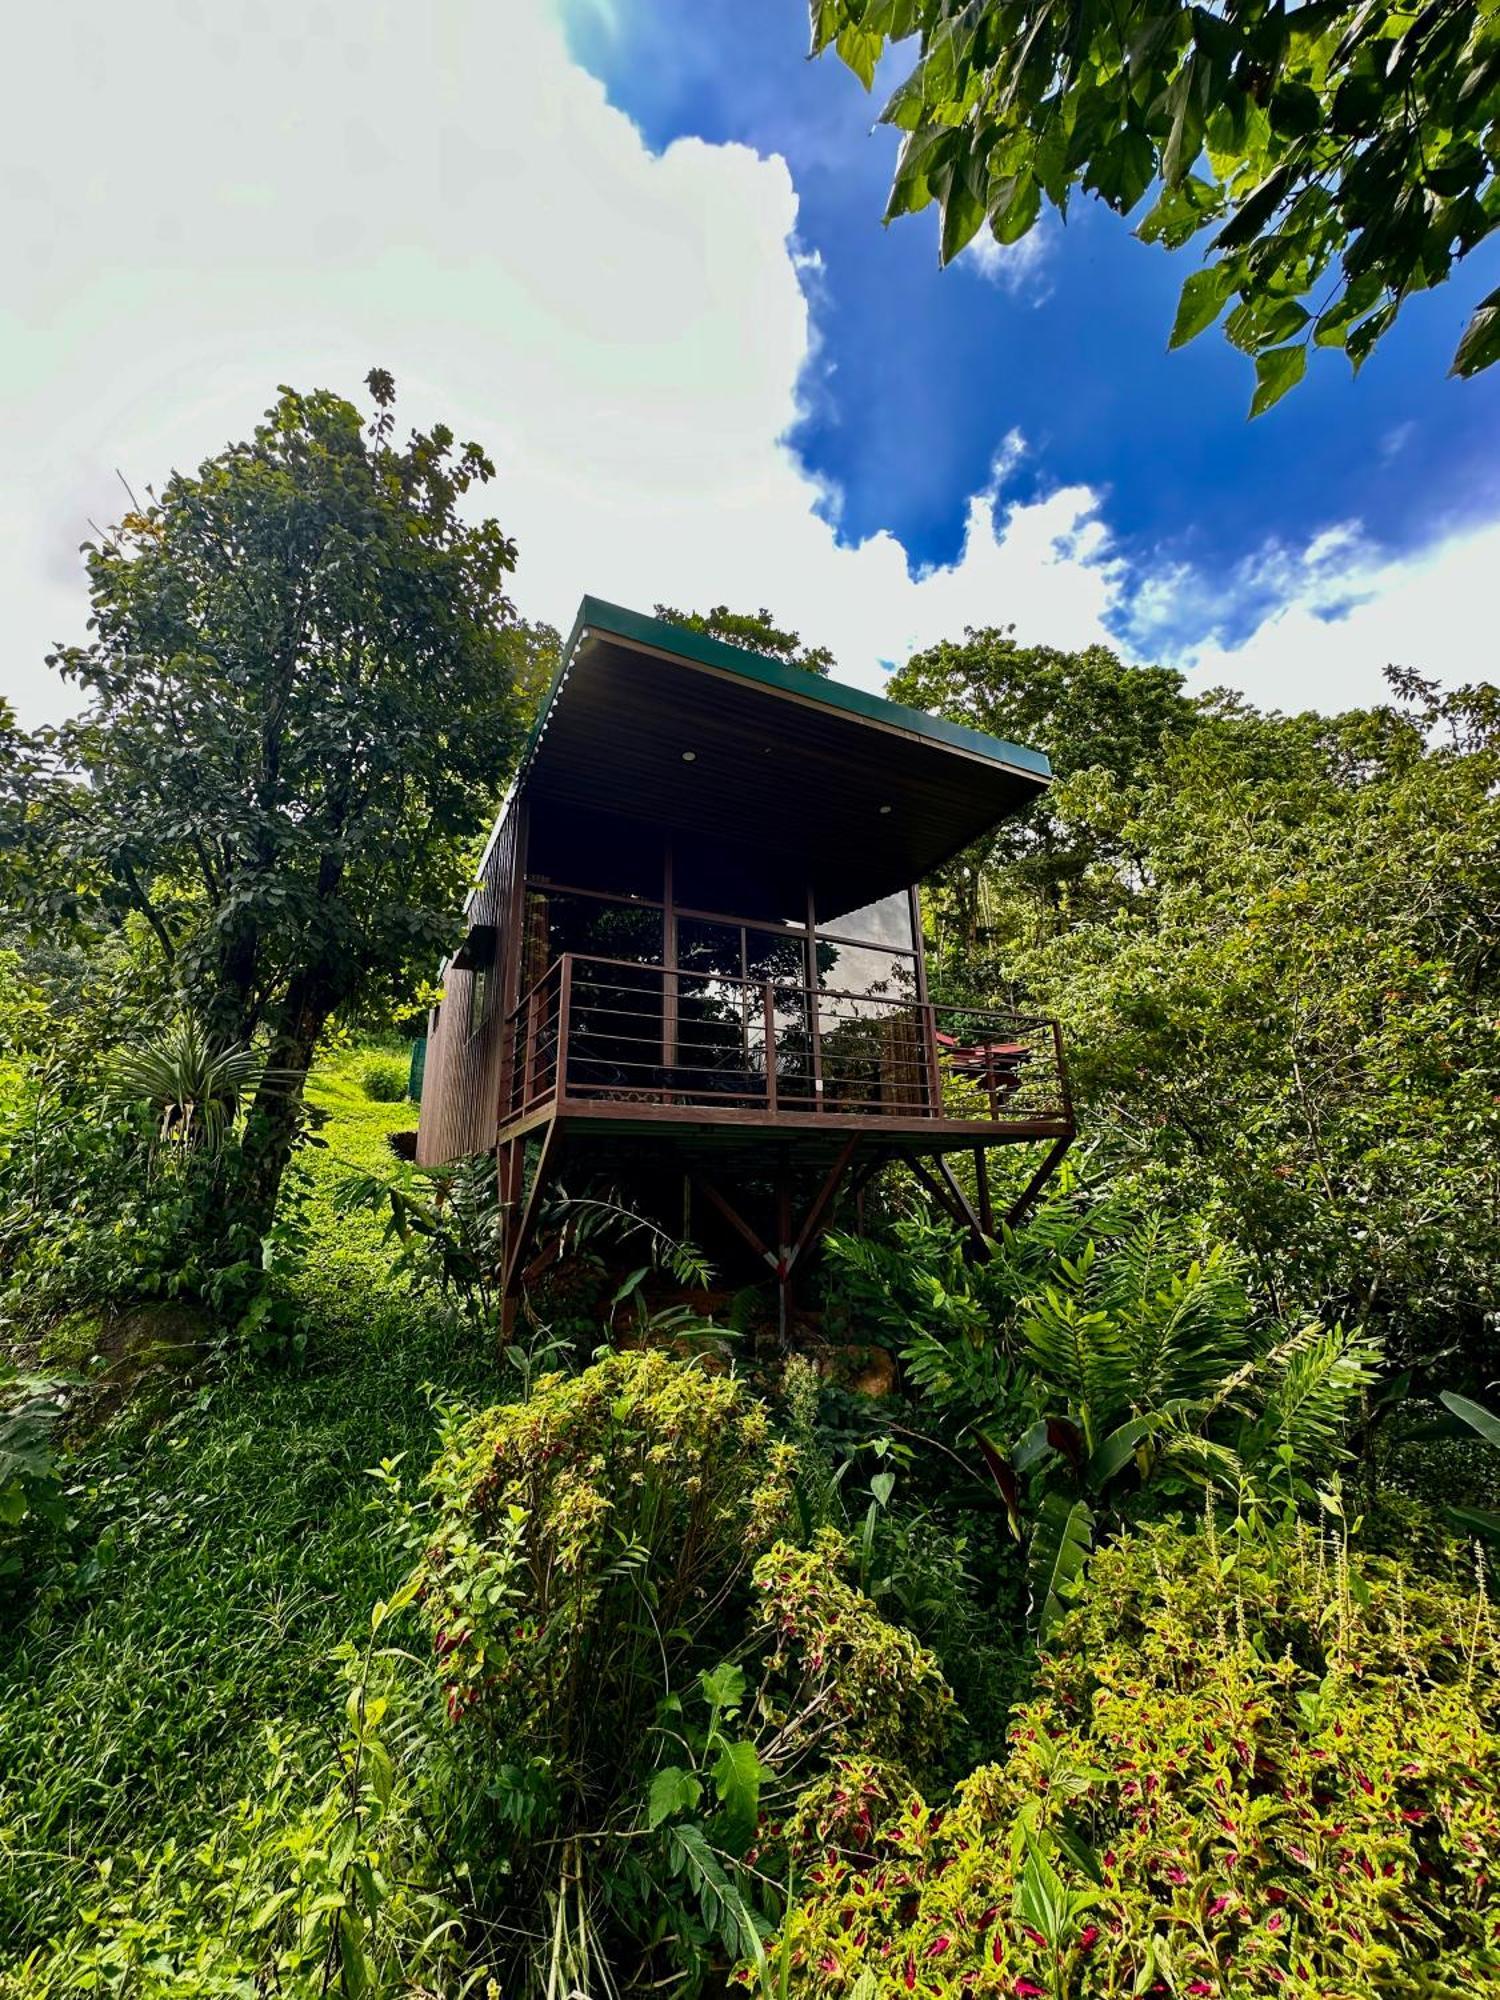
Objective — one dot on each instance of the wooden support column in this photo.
(813, 1221)
(733, 1217)
(519, 1231)
(982, 1185)
(1038, 1181)
(951, 1197)
(784, 1252)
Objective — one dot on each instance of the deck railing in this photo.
(594, 1031)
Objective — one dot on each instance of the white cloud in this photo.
(1017, 267)
(223, 201)
(1337, 623)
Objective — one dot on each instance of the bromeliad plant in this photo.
(1104, 1354)
(640, 1669)
(194, 1090)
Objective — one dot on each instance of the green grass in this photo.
(237, 1538)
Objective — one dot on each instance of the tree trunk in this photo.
(271, 1128)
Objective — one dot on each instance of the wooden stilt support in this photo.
(813, 1220)
(982, 1187)
(790, 1247)
(945, 1190)
(518, 1234)
(938, 1192)
(733, 1217)
(965, 1209)
(1038, 1181)
(784, 1256)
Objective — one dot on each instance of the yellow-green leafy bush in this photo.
(643, 1672)
(1270, 1771)
(838, 1675)
(643, 1473)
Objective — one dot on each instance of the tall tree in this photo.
(1090, 713)
(1293, 1017)
(299, 702)
(755, 630)
(1343, 152)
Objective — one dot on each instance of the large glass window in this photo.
(855, 968)
(592, 926)
(886, 923)
(731, 882)
(587, 850)
(615, 1042)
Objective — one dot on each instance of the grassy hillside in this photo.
(231, 1543)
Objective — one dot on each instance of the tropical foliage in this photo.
(297, 710)
(1073, 1612)
(1343, 156)
(1243, 1772)
(631, 1689)
(1104, 1361)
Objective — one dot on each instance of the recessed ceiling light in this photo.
(885, 809)
(689, 756)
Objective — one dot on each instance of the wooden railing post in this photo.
(564, 1025)
(934, 1068)
(1064, 1092)
(528, 1066)
(770, 998)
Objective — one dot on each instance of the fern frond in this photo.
(1305, 1391)
(1183, 1331)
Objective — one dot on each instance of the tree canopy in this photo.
(757, 631)
(1342, 152)
(1272, 944)
(298, 706)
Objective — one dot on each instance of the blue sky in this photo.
(634, 248)
(919, 373)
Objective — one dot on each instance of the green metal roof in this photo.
(615, 621)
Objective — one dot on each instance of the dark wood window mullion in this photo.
(669, 980)
(925, 1014)
(810, 975)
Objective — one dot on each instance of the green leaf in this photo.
(1078, 1850)
(738, 1776)
(673, 1790)
(1116, 1451)
(724, 1908)
(723, 1686)
(1276, 371)
(861, 52)
(1255, 211)
(1200, 303)
(630, 1285)
(1296, 110)
(1475, 1415)
(963, 218)
(1479, 1521)
(1480, 346)
(1060, 1545)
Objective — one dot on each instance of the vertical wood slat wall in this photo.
(461, 1086)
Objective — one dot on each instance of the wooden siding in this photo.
(461, 1089)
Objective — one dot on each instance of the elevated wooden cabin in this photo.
(695, 954)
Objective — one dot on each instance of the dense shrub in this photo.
(383, 1078)
(1107, 1361)
(552, 1510)
(110, 1196)
(1258, 1770)
(31, 1488)
(641, 1669)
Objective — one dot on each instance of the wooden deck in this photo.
(614, 1044)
